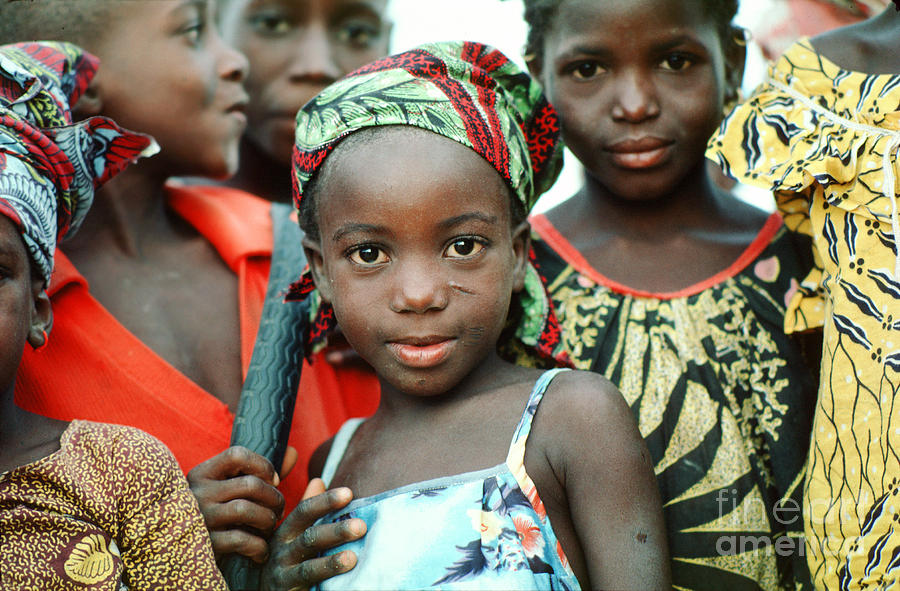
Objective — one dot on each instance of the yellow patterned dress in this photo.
(826, 140)
(110, 511)
(721, 396)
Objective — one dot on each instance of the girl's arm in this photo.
(603, 464)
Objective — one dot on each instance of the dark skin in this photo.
(24, 317)
(296, 49)
(164, 64)
(426, 239)
(871, 46)
(640, 87)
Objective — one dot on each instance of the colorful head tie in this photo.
(467, 92)
(49, 166)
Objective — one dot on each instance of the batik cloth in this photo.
(467, 92)
(486, 529)
(721, 396)
(826, 140)
(108, 511)
(50, 166)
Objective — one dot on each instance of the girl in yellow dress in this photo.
(823, 132)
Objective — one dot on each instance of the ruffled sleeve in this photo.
(813, 132)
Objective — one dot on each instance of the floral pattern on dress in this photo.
(480, 530)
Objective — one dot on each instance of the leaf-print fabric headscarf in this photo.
(49, 166)
(467, 92)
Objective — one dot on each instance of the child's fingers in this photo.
(252, 489)
(322, 537)
(315, 487)
(235, 461)
(236, 541)
(289, 461)
(241, 513)
(311, 572)
(309, 510)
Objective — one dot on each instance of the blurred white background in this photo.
(499, 23)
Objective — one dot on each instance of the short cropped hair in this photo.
(78, 21)
(540, 14)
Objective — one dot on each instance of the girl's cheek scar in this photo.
(461, 289)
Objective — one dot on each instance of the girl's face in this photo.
(166, 72)
(417, 255)
(639, 88)
(296, 48)
(24, 308)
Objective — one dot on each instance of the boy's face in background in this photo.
(296, 48)
(167, 72)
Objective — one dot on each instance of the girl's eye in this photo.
(270, 23)
(368, 255)
(194, 32)
(358, 34)
(586, 70)
(676, 62)
(463, 248)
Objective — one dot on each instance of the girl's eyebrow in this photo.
(353, 228)
(475, 215)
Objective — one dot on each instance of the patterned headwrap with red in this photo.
(50, 166)
(467, 92)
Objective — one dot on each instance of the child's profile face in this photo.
(296, 48)
(19, 293)
(417, 255)
(638, 85)
(165, 71)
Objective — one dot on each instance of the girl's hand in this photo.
(239, 502)
(294, 562)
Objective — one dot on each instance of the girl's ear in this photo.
(89, 104)
(521, 247)
(41, 316)
(735, 60)
(316, 262)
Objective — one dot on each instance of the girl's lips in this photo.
(639, 160)
(638, 153)
(422, 355)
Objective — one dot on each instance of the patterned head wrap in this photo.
(49, 167)
(467, 92)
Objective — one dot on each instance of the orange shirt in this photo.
(94, 369)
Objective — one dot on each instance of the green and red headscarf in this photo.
(467, 92)
(50, 166)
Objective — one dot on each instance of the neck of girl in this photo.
(25, 437)
(695, 203)
(128, 214)
(491, 374)
(260, 175)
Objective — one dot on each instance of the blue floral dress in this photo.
(479, 530)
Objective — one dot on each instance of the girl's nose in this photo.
(419, 289)
(635, 99)
(313, 57)
(232, 64)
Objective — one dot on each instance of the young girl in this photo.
(671, 287)
(82, 505)
(823, 133)
(414, 176)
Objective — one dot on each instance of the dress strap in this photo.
(515, 459)
(338, 447)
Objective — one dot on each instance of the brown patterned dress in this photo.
(109, 510)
